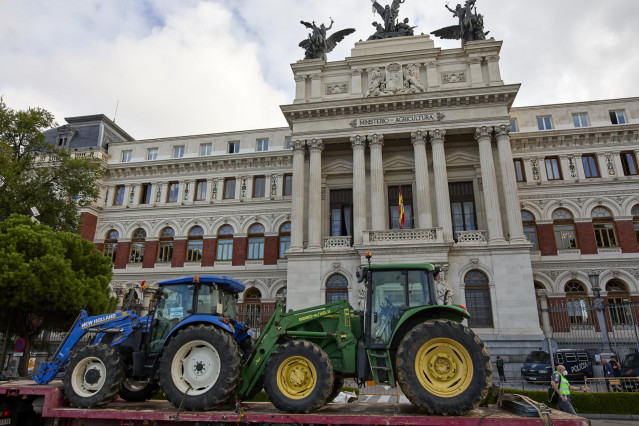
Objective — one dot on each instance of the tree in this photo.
(46, 277)
(35, 173)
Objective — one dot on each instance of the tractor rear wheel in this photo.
(138, 391)
(298, 377)
(443, 367)
(200, 368)
(93, 376)
(338, 384)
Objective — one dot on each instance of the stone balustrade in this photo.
(402, 235)
(471, 238)
(337, 242)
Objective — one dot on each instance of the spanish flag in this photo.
(401, 209)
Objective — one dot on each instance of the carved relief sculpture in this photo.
(535, 168)
(395, 80)
(610, 165)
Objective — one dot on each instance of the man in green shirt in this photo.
(561, 385)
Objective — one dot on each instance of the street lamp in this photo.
(593, 276)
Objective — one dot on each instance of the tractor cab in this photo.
(391, 291)
(188, 299)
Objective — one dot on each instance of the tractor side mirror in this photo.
(436, 271)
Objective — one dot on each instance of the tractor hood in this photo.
(227, 283)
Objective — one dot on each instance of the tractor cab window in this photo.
(213, 301)
(175, 304)
(389, 293)
(418, 289)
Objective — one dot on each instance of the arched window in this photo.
(478, 299)
(579, 311)
(336, 288)
(138, 242)
(619, 303)
(225, 243)
(111, 244)
(564, 226)
(635, 219)
(285, 239)
(539, 286)
(195, 242)
(255, 242)
(252, 307)
(530, 228)
(604, 226)
(165, 251)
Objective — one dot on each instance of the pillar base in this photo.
(493, 241)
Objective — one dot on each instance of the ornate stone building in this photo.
(506, 200)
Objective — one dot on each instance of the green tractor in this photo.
(302, 358)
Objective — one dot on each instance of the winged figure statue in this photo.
(317, 45)
(390, 26)
(470, 27)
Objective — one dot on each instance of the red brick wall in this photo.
(87, 226)
(208, 251)
(239, 251)
(271, 250)
(179, 253)
(100, 247)
(586, 237)
(627, 236)
(122, 255)
(546, 237)
(150, 254)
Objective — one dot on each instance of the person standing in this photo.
(607, 372)
(561, 385)
(616, 369)
(500, 369)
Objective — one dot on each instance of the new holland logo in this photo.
(97, 320)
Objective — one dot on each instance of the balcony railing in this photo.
(91, 153)
(342, 242)
(389, 236)
(468, 238)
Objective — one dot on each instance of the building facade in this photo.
(516, 205)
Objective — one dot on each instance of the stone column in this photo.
(545, 316)
(375, 143)
(493, 70)
(316, 87)
(565, 168)
(356, 81)
(209, 189)
(476, 77)
(508, 181)
(444, 219)
(579, 165)
(358, 143)
(300, 87)
(297, 209)
(491, 196)
(315, 195)
(422, 183)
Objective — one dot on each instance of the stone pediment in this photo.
(339, 165)
(461, 158)
(400, 162)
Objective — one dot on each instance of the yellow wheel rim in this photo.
(444, 367)
(296, 377)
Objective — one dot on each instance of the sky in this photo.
(164, 68)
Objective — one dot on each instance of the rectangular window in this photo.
(462, 206)
(620, 311)
(553, 171)
(259, 186)
(262, 145)
(605, 235)
(544, 123)
(146, 193)
(165, 252)
(174, 191)
(206, 149)
(137, 252)
(618, 117)
(288, 185)
(478, 304)
(178, 151)
(520, 172)
(531, 234)
(393, 206)
(579, 312)
(341, 212)
(513, 125)
(287, 142)
(152, 154)
(118, 196)
(126, 156)
(110, 250)
(225, 249)
(194, 251)
(200, 190)
(580, 120)
(234, 147)
(629, 164)
(229, 188)
(255, 249)
(590, 165)
(285, 244)
(565, 236)
(62, 140)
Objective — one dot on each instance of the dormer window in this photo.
(63, 140)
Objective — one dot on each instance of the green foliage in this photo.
(47, 277)
(591, 402)
(34, 173)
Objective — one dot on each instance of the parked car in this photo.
(538, 367)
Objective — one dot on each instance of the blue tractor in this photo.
(191, 345)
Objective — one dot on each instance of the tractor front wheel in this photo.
(298, 377)
(138, 391)
(93, 376)
(200, 368)
(443, 367)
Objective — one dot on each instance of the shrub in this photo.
(591, 402)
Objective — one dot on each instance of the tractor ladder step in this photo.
(380, 361)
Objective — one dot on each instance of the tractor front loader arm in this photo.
(120, 323)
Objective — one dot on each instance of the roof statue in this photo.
(470, 27)
(390, 26)
(317, 45)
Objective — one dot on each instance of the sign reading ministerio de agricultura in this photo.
(400, 119)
